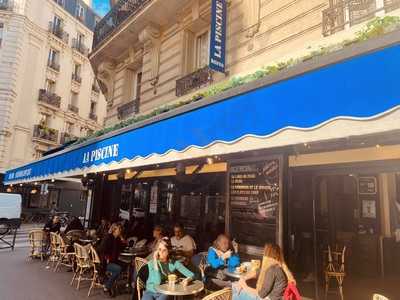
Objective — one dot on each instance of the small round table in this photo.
(86, 241)
(231, 272)
(178, 289)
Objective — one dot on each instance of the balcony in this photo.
(73, 108)
(193, 81)
(76, 78)
(351, 12)
(44, 133)
(7, 5)
(51, 99)
(54, 66)
(93, 117)
(80, 47)
(119, 13)
(128, 109)
(67, 137)
(58, 31)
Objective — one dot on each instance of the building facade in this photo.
(303, 151)
(48, 90)
(143, 65)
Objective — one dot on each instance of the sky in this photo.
(101, 6)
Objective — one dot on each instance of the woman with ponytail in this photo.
(273, 278)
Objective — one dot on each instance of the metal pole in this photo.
(316, 284)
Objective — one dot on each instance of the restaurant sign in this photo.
(218, 36)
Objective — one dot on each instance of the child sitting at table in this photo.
(221, 255)
(160, 267)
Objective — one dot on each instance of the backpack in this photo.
(291, 292)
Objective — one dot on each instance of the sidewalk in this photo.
(25, 279)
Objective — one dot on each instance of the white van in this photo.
(10, 206)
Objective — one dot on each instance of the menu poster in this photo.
(254, 200)
(153, 198)
(367, 185)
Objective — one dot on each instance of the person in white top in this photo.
(183, 244)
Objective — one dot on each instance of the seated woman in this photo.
(160, 267)
(219, 256)
(272, 279)
(110, 249)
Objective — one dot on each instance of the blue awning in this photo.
(359, 89)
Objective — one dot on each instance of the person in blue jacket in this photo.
(222, 254)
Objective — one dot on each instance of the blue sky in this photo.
(101, 6)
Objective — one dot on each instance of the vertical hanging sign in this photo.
(218, 36)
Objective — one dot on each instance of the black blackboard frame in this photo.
(279, 219)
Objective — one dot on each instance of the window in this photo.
(44, 120)
(59, 2)
(57, 23)
(69, 127)
(50, 86)
(80, 39)
(53, 59)
(74, 99)
(80, 11)
(1, 33)
(138, 84)
(202, 50)
(77, 70)
(93, 108)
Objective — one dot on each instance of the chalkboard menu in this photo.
(254, 201)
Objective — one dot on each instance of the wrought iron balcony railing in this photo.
(43, 132)
(352, 12)
(54, 65)
(73, 108)
(80, 47)
(6, 5)
(76, 78)
(59, 32)
(128, 109)
(93, 117)
(67, 137)
(192, 81)
(118, 13)
(49, 98)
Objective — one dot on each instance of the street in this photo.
(24, 279)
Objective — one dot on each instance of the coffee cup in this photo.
(172, 279)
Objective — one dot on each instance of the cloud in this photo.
(101, 6)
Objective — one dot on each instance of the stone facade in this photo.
(160, 52)
(45, 101)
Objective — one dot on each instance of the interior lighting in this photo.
(210, 160)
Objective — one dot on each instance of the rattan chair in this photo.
(65, 257)
(83, 265)
(74, 235)
(225, 294)
(38, 242)
(335, 269)
(96, 262)
(140, 243)
(140, 279)
(379, 297)
(54, 250)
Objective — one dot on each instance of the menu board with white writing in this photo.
(254, 190)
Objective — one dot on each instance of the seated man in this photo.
(74, 224)
(183, 244)
(53, 225)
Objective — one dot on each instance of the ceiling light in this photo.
(210, 160)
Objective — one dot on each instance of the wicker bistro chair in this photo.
(142, 274)
(65, 257)
(83, 264)
(225, 294)
(335, 269)
(54, 250)
(38, 242)
(96, 265)
(74, 235)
